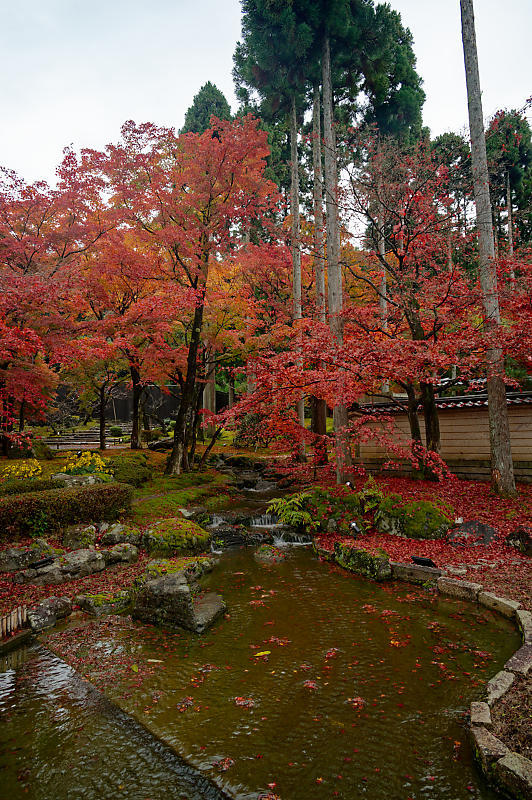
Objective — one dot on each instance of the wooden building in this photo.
(464, 433)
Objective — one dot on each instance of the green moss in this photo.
(175, 536)
(188, 564)
(419, 519)
(360, 561)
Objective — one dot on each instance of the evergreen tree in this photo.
(208, 102)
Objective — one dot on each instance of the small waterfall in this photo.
(285, 538)
(216, 521)
(266, 521)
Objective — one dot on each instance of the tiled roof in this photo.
(478, 400)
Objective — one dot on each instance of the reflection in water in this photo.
(316, 685)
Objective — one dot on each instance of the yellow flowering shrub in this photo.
(87, 463)
(28, 468)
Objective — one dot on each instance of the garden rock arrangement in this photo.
(417, 520)
(77, 564)
(48, 612)
(169, 598)
(77, 480)
(16, 558)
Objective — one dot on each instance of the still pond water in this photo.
(316, 685)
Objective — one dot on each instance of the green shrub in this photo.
(173, 537)
(132, 469)
(291, 510)
(253, 431)
(43, 451)
(21, 514)
(339, 504)
(115, 430)
(28, 485)
(419, 519)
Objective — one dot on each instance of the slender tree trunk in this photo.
(136, 440)
(178, 459)
(231, 390)
(510, 223)
(334, 272)
(413, 418)
(319, 408)
(296, 244)
(383, 288)
(102, 402)
(21, 416)
(502, 473)
(209, 391)
(430, 413)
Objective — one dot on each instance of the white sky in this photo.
(73, 71)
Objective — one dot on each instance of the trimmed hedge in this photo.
(132, 469)
(24, 485)
(50, 510)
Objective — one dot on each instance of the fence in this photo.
(13, 622)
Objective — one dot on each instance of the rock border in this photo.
(506, 771)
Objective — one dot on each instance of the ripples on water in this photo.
(361, 694)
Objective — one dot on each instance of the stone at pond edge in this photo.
(499, 685)
(487, 747)
(414, 573)
(480, 714)
(105, 603)
(360, 561)
(269, 554)
(192, 568)
(168, 601)
(472, 533)
(46, 613)
(521, 661)
(462, 590)
(500, 604)
(524, 620)
(16, 558)
(513, 773)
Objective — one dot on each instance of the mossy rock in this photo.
(80, 537)
(193, 567)
(117, 533)
(419, 519)
(176, 536)
(371, 565)
(104, 603)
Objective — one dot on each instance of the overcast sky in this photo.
(73, 71)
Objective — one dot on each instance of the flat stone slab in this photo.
(514, 774)
(480, 714)
(521, 661)
(207, 610)
(499, 685)
(414, 573)
(524, 620)
(487, 747)
(502, 605)
(461, 590)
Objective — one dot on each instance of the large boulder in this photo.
(46, 613)
(420, 519)
(169, 600)
(79, 480)
(176, 536)
(16, 558)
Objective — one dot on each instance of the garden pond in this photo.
(316, 684)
